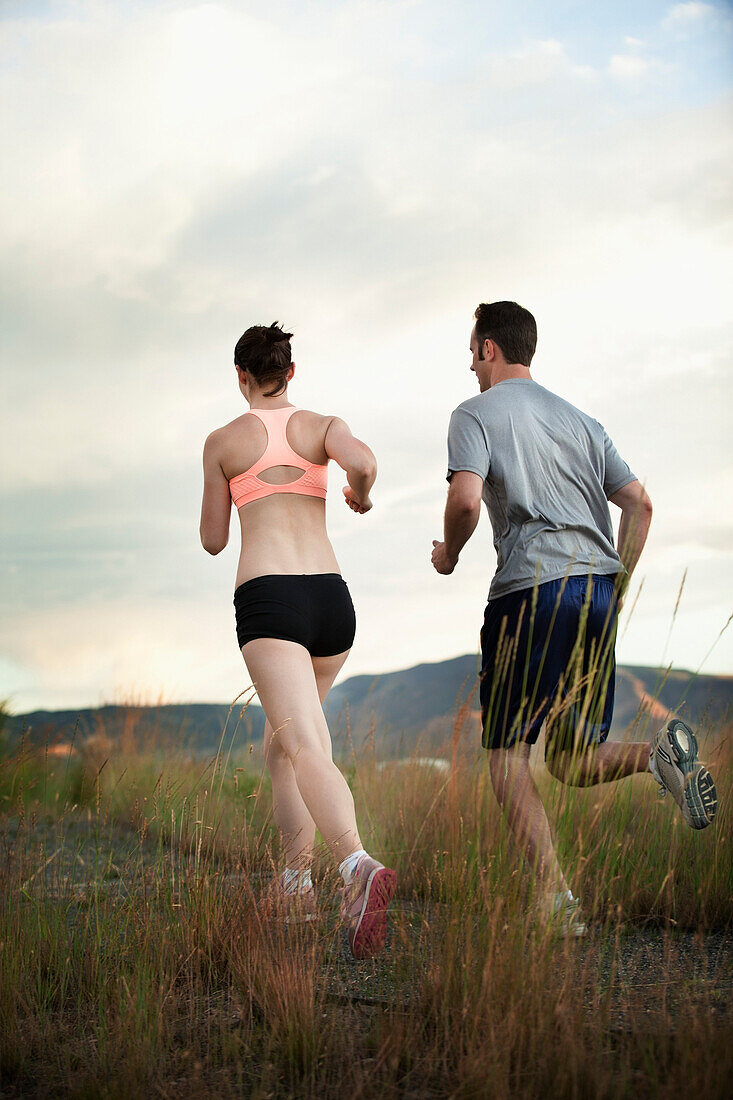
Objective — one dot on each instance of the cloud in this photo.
(632, 66)
(682, 15)
(541, 63)
(685, 22)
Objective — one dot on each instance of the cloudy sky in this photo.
(365, 171)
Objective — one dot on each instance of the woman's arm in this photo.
(357, 461)
(217, 502)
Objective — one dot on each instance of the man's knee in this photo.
(497, 764)
(567, 765)
(557, 762)
(506, 763)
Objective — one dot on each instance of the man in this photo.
(546, 471)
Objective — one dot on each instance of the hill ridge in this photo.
(400, 708)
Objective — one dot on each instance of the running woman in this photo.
(294, 616)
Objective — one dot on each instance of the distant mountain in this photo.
(420, 704)
(398, 711)
(199, 725)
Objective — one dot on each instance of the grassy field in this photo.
(134, 961)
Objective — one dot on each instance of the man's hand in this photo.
(636, 515)
(354, 503)
(441, 561)
(462, 509)
(622, 587)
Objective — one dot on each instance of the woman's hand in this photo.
(354, 503)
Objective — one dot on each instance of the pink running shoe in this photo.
(364, 906)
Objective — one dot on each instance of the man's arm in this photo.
(636, 516)
(462, 511)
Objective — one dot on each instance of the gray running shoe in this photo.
(364, 906)
(561, 915)
(673, 763)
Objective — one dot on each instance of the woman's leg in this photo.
(287, 684)
(297, 827)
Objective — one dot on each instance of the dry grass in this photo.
(135, 961)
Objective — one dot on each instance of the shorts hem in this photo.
(295, 641)
(275, 637)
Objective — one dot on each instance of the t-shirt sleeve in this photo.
(616, 472)
(468, 447)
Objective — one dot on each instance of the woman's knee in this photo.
(276, 755)
(297, 739)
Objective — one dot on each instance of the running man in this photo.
(546, 471)
(294, 616)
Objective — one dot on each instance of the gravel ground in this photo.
(647, 974)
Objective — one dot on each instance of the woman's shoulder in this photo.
(311, 421)
(243, 423)
(316, 417)
(226, 441)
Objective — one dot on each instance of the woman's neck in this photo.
(259, 401)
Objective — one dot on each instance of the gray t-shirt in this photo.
(548, 471)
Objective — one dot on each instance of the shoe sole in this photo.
(576, 930)
(565, 930)
(369, 934)
(565, 923)
(701, 798)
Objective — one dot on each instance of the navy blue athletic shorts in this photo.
(312, 609)
(548, 653)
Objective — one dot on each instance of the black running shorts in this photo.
(312, 609)
(548, 653)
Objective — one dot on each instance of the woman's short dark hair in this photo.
(510, 326)
(264, 351)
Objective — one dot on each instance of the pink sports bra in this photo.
(248, 486)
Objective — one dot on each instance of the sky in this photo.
(366, 172)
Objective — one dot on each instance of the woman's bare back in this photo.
(284, 532)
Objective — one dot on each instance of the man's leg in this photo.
(598, 763)
(520, 801)
(576, 751)
(509, 667)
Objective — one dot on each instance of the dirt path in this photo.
(645, 973)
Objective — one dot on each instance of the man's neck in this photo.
(502, 372)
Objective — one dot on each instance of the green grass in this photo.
(135, 961)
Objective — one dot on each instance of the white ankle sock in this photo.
(297, 882)
(348, 866)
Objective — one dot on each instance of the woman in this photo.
(295, 618)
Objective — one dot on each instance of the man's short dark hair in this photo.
(510, 326)
(264, 351)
